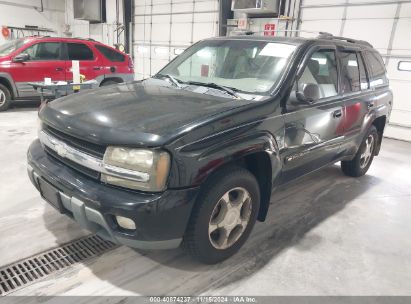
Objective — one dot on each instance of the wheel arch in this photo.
(259, 164)
(379, 124)
(115, 79)
(259, 155)
(6, 80)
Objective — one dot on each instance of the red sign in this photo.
(242, 23)
(5, 32)
(204, 70)
(269, 29)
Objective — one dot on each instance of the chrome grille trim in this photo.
(89, 161)
(75, 142)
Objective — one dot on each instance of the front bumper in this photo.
(161, 218)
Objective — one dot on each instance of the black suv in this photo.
(192, 155)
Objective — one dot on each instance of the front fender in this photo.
(10, 80)
(193, 163)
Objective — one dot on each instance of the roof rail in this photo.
(324, 35)
(321, 35)
(81, 38)
(245, 32)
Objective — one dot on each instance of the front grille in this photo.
(24, 272)
(84, 170)
(82, 145)
(79, 144)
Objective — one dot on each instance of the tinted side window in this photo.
(321, 69)
(350, 72)
(377, 69)
(79, 51)
(44, 51)
(111, 54)
(363, 73)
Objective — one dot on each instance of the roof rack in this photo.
(324, 35)
(321, 35)
(48, 36)
(81, 38)
(244, 32)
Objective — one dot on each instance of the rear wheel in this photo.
(364, 157)
(5, 98)
(224, 215)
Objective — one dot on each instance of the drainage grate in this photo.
(28, 270)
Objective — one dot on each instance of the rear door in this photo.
(313, 133)
(45, 62)
(90, 62)
(359, 97)
(378, 80)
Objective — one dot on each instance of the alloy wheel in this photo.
(2, 97)
(367, 152)
(230, 218)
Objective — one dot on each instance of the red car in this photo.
(32, 59)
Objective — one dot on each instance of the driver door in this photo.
(313, 129)
(45, 62)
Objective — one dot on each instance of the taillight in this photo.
(130, 63)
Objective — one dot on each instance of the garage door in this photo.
(164, 28)
(386, 25)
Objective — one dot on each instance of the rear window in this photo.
(111, 54)
(79, 51)
(377, 69)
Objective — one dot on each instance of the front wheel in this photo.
(5, 98)
(224, 215)
(364, 157)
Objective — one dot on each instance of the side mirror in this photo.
(21, 57)
(310, 93)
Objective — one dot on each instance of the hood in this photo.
(5, 59)
(138, 113)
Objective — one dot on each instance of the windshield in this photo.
(10, 46)
(242, 65)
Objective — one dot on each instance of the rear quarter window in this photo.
(376, 68)
(111, 54)
(363, 74)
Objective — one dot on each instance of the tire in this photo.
(364, 157)
(108, 83)
(203, 239)
(5, 98)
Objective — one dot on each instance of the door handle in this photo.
(96, 68)
(59, 69)
(337, 113)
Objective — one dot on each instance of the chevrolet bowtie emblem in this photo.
(61, 150)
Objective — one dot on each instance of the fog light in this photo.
(125, 223)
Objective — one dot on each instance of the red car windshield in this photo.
(10, 46)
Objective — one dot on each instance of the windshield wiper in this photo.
(215, 86)
(173, 80)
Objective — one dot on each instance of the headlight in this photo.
(39, 125)
(139, 169)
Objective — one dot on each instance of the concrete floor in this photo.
(327, 234)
